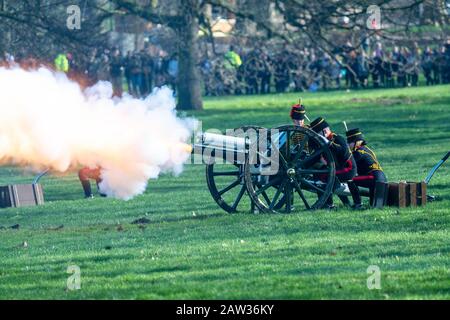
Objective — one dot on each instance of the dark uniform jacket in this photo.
(366, 161)
(345, 163)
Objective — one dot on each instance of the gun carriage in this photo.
(280, 169)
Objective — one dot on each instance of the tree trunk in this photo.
(189, 81)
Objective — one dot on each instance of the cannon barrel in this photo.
(226, 147)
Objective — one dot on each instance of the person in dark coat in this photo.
(115, 69)
(368, 166)
(345, 163)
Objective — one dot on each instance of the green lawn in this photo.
(190, 249)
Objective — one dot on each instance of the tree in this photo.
(189, 82)
(183, 18)
(39, 28)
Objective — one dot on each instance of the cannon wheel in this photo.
(228, 192)
(296, 181)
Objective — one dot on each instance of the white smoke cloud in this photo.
(46, 121)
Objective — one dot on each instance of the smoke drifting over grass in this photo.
(46, 121)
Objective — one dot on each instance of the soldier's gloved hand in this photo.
(325, 140)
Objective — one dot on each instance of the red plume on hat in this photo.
(298, 111)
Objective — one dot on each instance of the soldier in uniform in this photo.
(298, 116)
(345, 163)
(87, 173)
(298, 113)
(368, 166)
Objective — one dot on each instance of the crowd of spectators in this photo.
(263, 70)
(138, 72)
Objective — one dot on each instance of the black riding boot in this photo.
(86, 188)
(345, 201)
(355, 195)
(98, 189)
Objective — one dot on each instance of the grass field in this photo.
(191, 249)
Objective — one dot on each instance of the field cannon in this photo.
(285, 168)
(280, 169)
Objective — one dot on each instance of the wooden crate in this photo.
(407, 194)
(21, 195)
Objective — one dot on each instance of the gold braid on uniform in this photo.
(298, 137)
(376, 165)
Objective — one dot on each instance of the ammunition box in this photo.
(21, 195)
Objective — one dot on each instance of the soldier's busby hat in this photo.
(319, 124)
(354, 135)
(298, 112)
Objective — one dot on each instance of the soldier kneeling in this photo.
(369, 169)
(345, 163)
